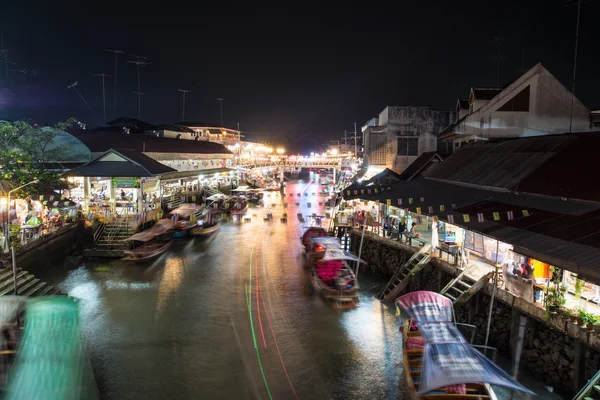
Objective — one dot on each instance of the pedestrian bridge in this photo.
(322, 164)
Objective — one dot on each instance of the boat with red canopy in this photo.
(335, 279)
(153, 242)
(439, 364)
(310, 232)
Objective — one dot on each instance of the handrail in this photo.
(99, 231)
(586, 388)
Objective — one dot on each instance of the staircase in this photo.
(591, 391)
(27, 284)
(461, 288)
(403, 274)
(111, 240)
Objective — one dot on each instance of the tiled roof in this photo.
(137, 165)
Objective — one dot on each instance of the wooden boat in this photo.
(240, 207)
(205, 229)
(439, 364)
(336, 281)
(153, 246)
(147, 251)
(317, 246)
(412, 351)
(311, 232)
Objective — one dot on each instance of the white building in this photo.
(535, 104)
(403, 133)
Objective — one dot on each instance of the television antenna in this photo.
(116, 52)
(498, 57)
(139, 62)
(103, 75)
(74, 87)
(183, 92)
(24, 72)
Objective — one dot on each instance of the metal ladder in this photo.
(403, 274)
(459, 290)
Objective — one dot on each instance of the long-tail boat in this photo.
(439, 364)
(153, 242)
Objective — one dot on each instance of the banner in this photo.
(418, 210)
(388, 202)
(496, 216)
(466, 218)
(525, 213)
(442, 208)
(399, 202)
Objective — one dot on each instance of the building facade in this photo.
(535, 104)
(403, 133)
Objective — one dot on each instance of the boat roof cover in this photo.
(161, 227)
(51, 363)
(448, 358)
(340, 255)
(327, 241)
(185, 209)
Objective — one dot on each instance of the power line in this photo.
(116, 52)
(103, 75)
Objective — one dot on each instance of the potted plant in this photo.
(578, 287)
(597, 324)
(580, 317)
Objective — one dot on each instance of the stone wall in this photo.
(552, 356)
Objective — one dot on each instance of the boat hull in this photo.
(147, 252)
(204, 232)
(347, 297)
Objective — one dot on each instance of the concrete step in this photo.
(20, 282)
(33, 290)
(28, 285)
(8, 282)
(46, 291)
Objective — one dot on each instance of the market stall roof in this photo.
(161, 227)
(121, 163)
(185, 174)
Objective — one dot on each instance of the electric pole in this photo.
(140, 61)
(183, 92)
(355, 142)
(498, 57)
(117, 52)
(221, 101)
(103, 75)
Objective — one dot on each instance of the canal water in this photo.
(234, 317)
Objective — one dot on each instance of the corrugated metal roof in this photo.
(421, 163)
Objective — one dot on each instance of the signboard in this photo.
(126, 182)
(474, 241)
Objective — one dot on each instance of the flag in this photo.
(453, 205)
(418, 210)
(450, 218)
(422, 199)
(369, 191)
(466, 218)
(399, 202)
(376, 191)
(509, 215)
(442, 208)
(430, 209)
(410, 200)
(480, 217)
(362, 191)
(496, 216)
(388, 202)
(355, 192)
(525, 213)
(348, 192)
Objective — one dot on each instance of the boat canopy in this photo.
(339, 255)
(448, 359)
(186, 209)
(161, 227)
(217, 196)
(329, 242)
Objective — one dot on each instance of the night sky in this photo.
(303, 71)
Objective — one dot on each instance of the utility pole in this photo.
(221, 101)
(140, 61)
(355, 142)
(498, 57)
(103, 75)
(183, 92)
(117, 52)
(24, 72)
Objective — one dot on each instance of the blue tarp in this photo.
(448, 359)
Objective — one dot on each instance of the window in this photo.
(520, 102)
(408, 146)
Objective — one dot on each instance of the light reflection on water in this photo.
(179, 328)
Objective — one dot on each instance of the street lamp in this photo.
(10, 243)
(280, 151)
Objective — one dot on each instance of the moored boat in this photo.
(335, 279)
(317, 245)
(438, 362)
(239, 207)
(309, 233)
(153, 242)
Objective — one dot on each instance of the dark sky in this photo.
(303, 71)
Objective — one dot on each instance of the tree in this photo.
(25, 150)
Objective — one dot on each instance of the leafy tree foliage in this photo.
(25, 151)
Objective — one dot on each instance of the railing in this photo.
(587, 387)
(98, 232)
